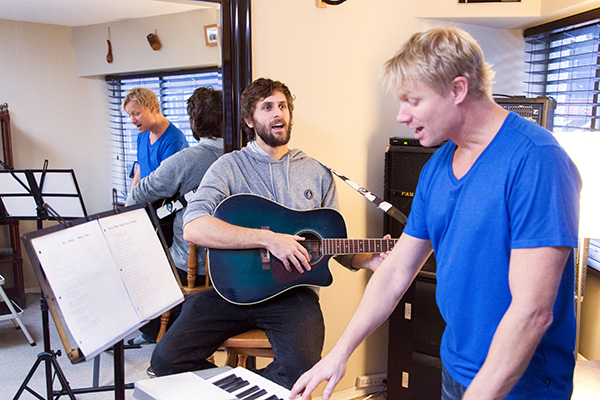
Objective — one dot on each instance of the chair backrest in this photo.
(192, 272)
(188, 289)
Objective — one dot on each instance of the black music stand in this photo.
(50, 195)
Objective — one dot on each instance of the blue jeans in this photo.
(451, 390)
(293, 322)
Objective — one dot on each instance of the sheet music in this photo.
(87, 285)
(108, 276)
(142, 261)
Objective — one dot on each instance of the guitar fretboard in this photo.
(356, 246)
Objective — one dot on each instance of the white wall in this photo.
(330, 59)
(55, 115)
(181, 35)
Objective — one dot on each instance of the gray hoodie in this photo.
(296, 181)
(177, 175)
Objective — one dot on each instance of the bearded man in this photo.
(266, 167)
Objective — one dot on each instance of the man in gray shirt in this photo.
(181, 173)
(268, 168)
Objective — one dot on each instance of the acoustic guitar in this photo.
(250, 276)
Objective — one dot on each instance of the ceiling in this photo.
(90, 12)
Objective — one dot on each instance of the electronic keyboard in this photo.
(247, 385)
(233, 384)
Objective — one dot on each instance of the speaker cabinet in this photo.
(404, 160)
(416, 326)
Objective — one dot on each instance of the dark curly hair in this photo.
(258, 90)
(205, 107)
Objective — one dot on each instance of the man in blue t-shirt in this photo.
(498, 204)
(158, 138)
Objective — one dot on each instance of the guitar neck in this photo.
(356, 246)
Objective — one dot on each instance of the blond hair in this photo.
(144, 97)
(437, 56)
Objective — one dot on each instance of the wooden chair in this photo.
(192, 270)
(242, 349)
(189, 289)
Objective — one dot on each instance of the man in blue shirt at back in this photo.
(158, 138)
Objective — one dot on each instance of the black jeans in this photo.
(293, 322)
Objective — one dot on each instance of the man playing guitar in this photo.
(267, 167)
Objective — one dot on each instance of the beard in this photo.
(271, 139)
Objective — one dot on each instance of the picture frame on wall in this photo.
(211, 34)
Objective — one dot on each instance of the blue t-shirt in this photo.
(522, 192)
(149, 156)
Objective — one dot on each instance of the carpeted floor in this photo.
(18, 359)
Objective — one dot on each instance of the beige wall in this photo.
(330, 59)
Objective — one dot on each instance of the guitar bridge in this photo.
(265, 256)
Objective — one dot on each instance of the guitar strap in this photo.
(383, 205)
(175, 205)
(180, 202)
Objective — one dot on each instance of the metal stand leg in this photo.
(96, 374)
(49, 359)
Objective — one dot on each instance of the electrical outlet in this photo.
(371, 380)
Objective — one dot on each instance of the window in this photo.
(564, 62)
(172, 89)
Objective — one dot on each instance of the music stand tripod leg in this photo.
(49, 359)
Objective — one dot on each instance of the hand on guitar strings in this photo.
(289, 251)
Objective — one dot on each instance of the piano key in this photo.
(256, 395)
(237, 385)
(247, 392)
(228, 386)
(226, 380)
(258, 383)
(186, 385)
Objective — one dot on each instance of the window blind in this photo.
(172, 89)
(563, 63)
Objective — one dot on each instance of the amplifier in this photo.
(539, 109)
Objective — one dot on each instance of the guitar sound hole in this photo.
(312, 244)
